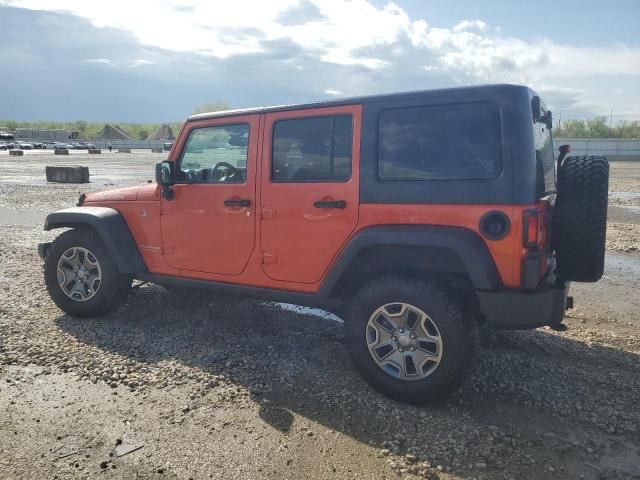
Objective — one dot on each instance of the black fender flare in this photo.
(110, 227)
(453, 249)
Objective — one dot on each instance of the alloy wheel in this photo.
(79, 274)
(404, 341)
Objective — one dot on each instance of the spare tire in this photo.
(580, 218)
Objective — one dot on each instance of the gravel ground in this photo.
(214, 387)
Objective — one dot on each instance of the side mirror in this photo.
(165, 173)
(548, 119)
(165, 177)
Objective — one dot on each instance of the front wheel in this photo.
(409, 339)
(80, 276)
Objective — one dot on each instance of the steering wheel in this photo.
(231, 171)
(191, 175)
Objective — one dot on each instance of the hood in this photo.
(114, 195)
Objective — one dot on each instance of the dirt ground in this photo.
(202, 386)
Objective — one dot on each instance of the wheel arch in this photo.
(428, 252)
(112, 229)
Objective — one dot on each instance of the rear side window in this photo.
(315, 149)
(440, 142)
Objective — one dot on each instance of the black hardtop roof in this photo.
(356, 100)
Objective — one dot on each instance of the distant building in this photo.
(43, 134)
(111, 131)
(165, 132)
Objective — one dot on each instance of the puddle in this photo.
(621, 266)
(625, 195)
(631, 209)
(309, 311)
(22, 218)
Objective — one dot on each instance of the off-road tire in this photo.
(580, 218)
(114, 286)
(454, 327)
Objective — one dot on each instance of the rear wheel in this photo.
(408, 339)
(81, 278)
(580, 218)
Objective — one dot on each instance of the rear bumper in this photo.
(520, 310)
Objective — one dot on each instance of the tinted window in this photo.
(440, 142)
(215, 155)
(314, 149)
(545, 163)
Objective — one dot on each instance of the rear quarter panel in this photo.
(506, 253)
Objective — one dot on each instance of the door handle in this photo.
(245, 202)
(330, 204)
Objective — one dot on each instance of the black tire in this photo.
(455, 331)
(114, 286)
(580, 218)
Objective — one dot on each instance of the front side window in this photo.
(440, 142)
(315, 149)
(215, 155)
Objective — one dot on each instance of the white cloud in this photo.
(471, 25)
(100, 61)
(384, 46)
(141, 61)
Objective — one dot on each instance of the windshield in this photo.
(545, 162)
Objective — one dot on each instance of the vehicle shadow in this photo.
(524, 384)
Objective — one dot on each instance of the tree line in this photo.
(137, 131)
(597, 127)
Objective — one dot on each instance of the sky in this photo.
(155, 61)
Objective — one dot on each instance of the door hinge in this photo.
(269, 258)
(269, 213)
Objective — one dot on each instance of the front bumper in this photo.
(521, 310)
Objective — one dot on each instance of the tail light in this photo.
(535, 240)
(531, 228)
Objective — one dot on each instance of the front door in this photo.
(209, 225)
(309, 190)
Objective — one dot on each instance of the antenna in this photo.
(610, 118)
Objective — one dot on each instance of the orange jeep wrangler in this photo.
(412, 215)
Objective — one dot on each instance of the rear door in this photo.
(309, 190)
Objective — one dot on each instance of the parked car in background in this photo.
(4, 146)
(59, 146)
(21, 146)
(89, 146)
(167, 146)
(38, 145)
